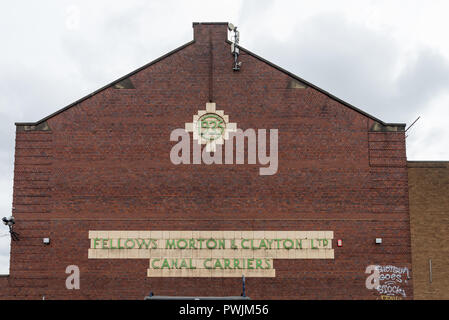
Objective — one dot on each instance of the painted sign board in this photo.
(211, 253)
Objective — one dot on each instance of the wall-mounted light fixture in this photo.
(46, 240)
(10, 223)
(378, 240)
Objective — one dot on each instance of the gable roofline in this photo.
(402, 125)
(318, 88)
(105, 87)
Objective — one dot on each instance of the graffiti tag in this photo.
(387, 280)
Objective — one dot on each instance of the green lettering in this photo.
(154, 243)
(152, 263)
(252, 245)
(174, 264)
(139, 243)
(205, 265)
(289, 241)
(165, 264)
(218, 264)
(278, 240)
(183, 264)
(170, 244)
(182, 244)
(128, 246)
(214, 243)
(263, 244)
(267, 263)
(142, 242)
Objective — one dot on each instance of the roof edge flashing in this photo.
(428, 164)
(390, 127)
(24, 127)
(398, 126)
(210, 23)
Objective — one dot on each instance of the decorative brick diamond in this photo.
(211, 127)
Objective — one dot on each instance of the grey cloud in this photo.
(358, 65)
(421, 81)
(105, 49)
(253, 9)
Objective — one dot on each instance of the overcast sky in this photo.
(388, 58)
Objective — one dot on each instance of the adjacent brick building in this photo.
(429, 215)
(102, 166)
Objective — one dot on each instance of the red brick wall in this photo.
(4, 287)
(105, 165)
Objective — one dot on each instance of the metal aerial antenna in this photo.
(235, 47)
(412, 125)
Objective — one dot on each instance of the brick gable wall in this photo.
(104, 165)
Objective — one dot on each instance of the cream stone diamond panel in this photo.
(212, 132)
(211, 253)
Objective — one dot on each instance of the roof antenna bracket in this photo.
(235, 50)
